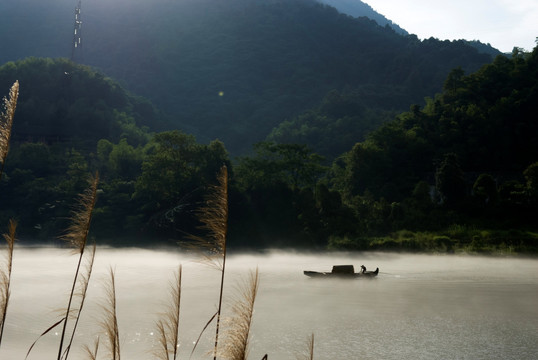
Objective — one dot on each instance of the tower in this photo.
(77, 44)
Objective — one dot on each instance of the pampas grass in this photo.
(214, 217)
(6, 123)
(168, 325)
(5, 275)
(237, 332)
(77, 233)
(77, 236)
(109, 323)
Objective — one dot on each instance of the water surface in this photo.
(419, 307)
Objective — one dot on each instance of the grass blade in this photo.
(43, 334)
(203, 330)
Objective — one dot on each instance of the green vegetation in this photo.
(271, 60)
(452, 239)
(466, 159)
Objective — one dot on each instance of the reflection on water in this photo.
(419, 307)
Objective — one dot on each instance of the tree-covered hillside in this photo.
(357, 8)
(459, 173)
(486, 119)
(236, 69)
(468, 161)
(64, 102)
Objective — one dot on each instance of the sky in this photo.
(502, 23)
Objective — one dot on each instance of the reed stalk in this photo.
(308, 353)
(109, 322)
(237, 333)
(77, 236)
(214, 218)
(168, 325)
(83, 289)
(6, 123)
(5, 275)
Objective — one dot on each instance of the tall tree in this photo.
(449, 180)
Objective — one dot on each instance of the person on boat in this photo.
(363, 269)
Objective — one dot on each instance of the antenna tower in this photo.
(77, 45)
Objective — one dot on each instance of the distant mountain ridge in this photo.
(234, 70)
(357, 8)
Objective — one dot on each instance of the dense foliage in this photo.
(64, 102)
(468, 158)
(459, 172)
(235, 69)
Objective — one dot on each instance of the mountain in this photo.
(234, 70)
(357, 8)
(73, 105)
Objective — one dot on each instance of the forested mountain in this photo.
(487, 119)
(459, 173)
(234, 70)
(63, 102)
(357, 8)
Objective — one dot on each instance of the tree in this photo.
(292, 164)
(531, 177)
(168, 170)
(365, 166)
(454, 80)
(174, 172)
(449, 180)
(124, 160)
(485, 189)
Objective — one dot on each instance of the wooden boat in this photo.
(343, 271)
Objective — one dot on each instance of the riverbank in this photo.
(452, 240)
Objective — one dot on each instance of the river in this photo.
(419, 306)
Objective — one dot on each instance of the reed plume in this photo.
(77, 236)
(91, 353)
(109, 323)
(5, 275)
(6, 123)
(237, 333)
(308, 353)
(214, 217)
(168, 326)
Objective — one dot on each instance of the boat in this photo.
(343, 271)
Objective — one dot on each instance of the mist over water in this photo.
(419, 307)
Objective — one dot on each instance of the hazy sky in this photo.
(502, 23)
